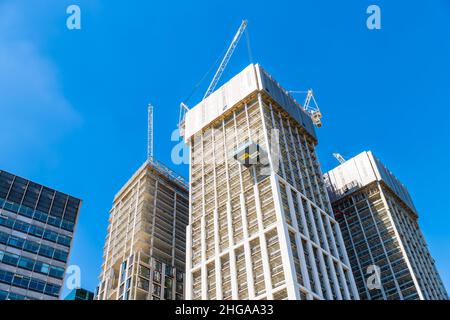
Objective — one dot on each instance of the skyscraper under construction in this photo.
(260, 224)
(388, 253)
(144, 253)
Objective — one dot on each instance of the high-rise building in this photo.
(36, 230)
(80, 294)
(144, 253)
(260, 223)
(388, 253)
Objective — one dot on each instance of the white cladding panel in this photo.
(220, 100)
(396, 186)
(351, 175)
(359, 172)
(251, 79)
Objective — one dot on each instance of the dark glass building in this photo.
(80, 294)
(36, 230)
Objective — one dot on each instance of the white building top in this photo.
(360, 171)
(252, 78)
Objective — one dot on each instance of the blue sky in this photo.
(73, 103)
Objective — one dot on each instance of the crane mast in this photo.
(339, 158)
(311, 107)
(150, 133)
(226, 59)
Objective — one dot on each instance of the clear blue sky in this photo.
(73, 103)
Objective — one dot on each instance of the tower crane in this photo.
(339, 158)
(212, 86)
(150, 133)
(226, 59)
(311, 107)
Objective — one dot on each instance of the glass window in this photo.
(36, 285)
(10, 259)
(3, 295)
(169, 270)
(56, 272)
(26, 263)
(11, 206)
(16, 242)
(66, 225)
(45, 268)
(65, 241)
(6, 276)
(31, 246)
(168, 283)
(157, 265)
(3, 238)
(123, 269)
(40, 216)
(7, 222)
(51, 289)
(168, 294)
(156, 290)
(36, 231)
(144, 272)
(143, 284)
(60, 255)
(50, 235)
(25, 211)
(21, 226)
(157, 276)
(21, 281)
(46, 251)
(54, 221)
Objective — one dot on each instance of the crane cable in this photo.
(250, 57)
(249, 48)
(205, 75)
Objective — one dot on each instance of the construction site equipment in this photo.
(249, 154)
(311, 107)
(150, 133)
(212, 86)
(183, 110)
(226, 59)
(339, 158)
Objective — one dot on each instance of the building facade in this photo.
(388, 253)
(260, 223)
(80, 294)
(144, 253)
(36, 234)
